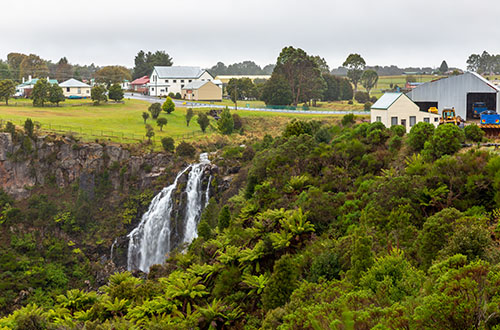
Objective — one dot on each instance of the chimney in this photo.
(29, 78)
(48, 78)
(23, 80)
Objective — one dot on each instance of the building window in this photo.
(67, 89)
(166, 80)
(403, 122)
(203, 80)
(174, 81)
(79, 91)
(162, 90)
(153, 89)
(182, 80)
(379, 119)
(413, 120)
(394, 121)
(190, 80)
(182, 86)
(436, 119)
(427, 120)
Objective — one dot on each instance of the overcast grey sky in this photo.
(203, 32)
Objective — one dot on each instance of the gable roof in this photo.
(386, 100)
(34, 80)
(195, 85)
(478, 76)
(140, 81)
(73, 83)
(178, 72)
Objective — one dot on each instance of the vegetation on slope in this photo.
(334, 226)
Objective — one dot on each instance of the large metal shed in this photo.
(459, 92)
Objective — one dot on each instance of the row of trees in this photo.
(242, 68)
(299, 77)
(20, 65)
(484, 63)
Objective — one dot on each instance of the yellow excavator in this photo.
(448, 116)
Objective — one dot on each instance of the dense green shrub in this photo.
(348, 119)
(473, 133)
(326, 266)
(367, 106)
(362, 97)
(155, 110)
(168, 144)
(281, 284)
(225, 124)
(185, 149)
(447, 140)
(419, 134)
(398, 130)
(224, 218)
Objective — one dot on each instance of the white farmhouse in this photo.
(172, 79)
(75, 89)
(397, 109)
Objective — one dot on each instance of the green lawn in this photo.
(122, 122)
(118, 122)
(384, 83)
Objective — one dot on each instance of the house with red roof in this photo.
(140, 85)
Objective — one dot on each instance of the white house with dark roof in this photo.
(398, 109)
(73, 88)
(172, 79)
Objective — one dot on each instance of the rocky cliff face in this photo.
(63, 162)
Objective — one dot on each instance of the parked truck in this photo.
(478, 108)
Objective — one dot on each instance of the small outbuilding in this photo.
(75, 89)
(202, 91)
(397, 109)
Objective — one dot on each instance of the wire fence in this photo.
(96, 134)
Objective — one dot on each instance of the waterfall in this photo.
(113, 248)
(168, 223)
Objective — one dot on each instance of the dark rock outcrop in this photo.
(63, 162)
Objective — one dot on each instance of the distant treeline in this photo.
(391, 70)
(243, 68)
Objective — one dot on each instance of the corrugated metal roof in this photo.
(486, 81)
(386, 100)
(175, 72)
(195, 85)
(73, 83)
(140, 81)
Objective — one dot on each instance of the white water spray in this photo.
(150, 241)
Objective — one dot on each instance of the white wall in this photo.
(403, 109)
(158, 87)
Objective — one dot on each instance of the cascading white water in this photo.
(150, 241)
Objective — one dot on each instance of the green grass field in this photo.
(384, 83)
(123, 122)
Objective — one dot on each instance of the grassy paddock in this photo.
(122, 122)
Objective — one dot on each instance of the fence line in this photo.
(97, 134)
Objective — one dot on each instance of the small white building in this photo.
(397, 109)
(172, 79)
(75, 89)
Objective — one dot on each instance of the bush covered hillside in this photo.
(353, 226)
